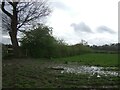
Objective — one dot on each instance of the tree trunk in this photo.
(16, 50)
(13, 34)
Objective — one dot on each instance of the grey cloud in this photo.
(60, 5)
(81, 27)
(103, 29)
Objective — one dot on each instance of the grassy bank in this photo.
(93, 59)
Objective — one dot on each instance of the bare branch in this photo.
(11, 3)
(35, 11)
(22, 6)
(3, 9)
(6, 22)
(28, 12)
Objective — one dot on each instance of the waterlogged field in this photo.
(70, 72)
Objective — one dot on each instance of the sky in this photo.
(95, 21)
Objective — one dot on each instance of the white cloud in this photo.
(6, 39)
(94, 13)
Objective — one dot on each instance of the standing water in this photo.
(92, 70)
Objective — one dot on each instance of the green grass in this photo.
(93, 59)
(34, 73)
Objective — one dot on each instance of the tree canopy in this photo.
(38, 42)
(17, 15)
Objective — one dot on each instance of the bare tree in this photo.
(19, 14)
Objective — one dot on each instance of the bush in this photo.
(38, 42)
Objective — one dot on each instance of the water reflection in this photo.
(92, 70)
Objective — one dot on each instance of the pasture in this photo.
(97, 59)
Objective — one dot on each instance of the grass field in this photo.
(93, 59)
(35, 73)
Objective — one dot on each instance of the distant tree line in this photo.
(111, 48)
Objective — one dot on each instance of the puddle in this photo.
(92, 70)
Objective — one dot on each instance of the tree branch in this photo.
(10, 3)
(3, 9)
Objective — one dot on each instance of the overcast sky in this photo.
(95, 21)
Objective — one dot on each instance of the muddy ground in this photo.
(44, 73)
